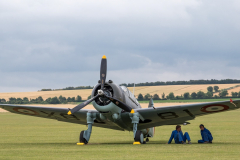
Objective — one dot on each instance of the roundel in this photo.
(25, 111)
(214, 108)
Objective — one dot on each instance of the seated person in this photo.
(206, 135)
(178, 136)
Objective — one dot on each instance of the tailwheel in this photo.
(81, 139)
(139, 137)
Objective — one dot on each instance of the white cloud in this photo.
(54, 44)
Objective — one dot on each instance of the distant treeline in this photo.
(40, 100)
(194, 95)
(159, 83)
(69, 88)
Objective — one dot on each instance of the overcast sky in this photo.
(55, 44)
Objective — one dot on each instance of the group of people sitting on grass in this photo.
(181, 138)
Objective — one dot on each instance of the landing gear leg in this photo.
(85, 135)
(137, 134)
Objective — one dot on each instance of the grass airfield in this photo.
(26, 137)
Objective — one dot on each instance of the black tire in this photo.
(81, 139)
(139, 137)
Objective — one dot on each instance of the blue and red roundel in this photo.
(214, 108)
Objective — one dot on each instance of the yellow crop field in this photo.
(46, 94)
(237, 89)
(176, 89)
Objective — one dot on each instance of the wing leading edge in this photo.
(59, 114)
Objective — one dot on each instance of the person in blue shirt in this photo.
(178, 136)
(206, 135)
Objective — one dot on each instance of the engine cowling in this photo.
(103, 104)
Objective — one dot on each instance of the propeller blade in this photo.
(80, 106)
(103, 71)
(120, 104)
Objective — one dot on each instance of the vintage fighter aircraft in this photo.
(118, 109)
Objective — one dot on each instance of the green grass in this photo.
(190, 100)
(25, 137)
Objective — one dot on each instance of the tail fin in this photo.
(151, 104)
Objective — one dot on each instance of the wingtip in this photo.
(69, 112)
(104, 57)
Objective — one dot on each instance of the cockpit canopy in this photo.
(129, 94)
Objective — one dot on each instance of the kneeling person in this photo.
(178, 136)
(206, 135)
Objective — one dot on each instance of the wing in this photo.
(59, 114)
(173, 115)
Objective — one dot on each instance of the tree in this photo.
(239, 94)
(223, 93)
(32, 101)
(89, 97)
(12, 100)
(179, 97)
(186, 95)
(216, 88)
(62, 99)
(3, 100)
(210, 89)
(194, 95)
(19, 101)
(156, 97)
(234, 94)
(48, 100)
(54, 100)
(171, 95)
(163, 95)
(209, 94)
(39, 99)
(25, 99)
(147, 96)
(79, 99)
(200, 94)
(69, 99)
(140, 97)
(73, 99)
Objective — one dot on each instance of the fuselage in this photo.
(111, 112)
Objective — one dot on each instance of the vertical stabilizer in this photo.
(151, 104)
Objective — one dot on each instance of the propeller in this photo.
(80, 106)
(120, 104)
(103, 71)
(103, 74)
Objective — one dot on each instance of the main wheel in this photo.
(81, 139)
(139, 137)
